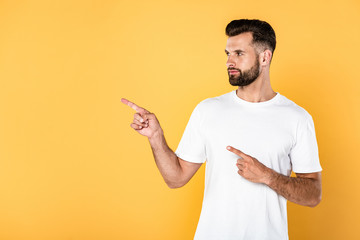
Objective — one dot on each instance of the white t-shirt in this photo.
(278, 133)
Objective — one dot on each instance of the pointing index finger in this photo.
(133, 105)
(236, 151)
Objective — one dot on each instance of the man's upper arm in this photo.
(188, 169)
(315, 175)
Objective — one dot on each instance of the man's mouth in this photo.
(233, 71)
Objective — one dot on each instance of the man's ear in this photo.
(265, 57)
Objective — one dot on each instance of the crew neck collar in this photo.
(255, 104)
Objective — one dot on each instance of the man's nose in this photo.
(230, 62)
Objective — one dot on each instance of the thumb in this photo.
(147, 116)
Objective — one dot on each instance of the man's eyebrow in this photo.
(237, 51)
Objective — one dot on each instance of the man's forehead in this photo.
(241, 41)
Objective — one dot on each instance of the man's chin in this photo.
(236, 83)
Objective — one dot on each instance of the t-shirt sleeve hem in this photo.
(318, 169)
(189, 158)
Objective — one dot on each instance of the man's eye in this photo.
(239, 53)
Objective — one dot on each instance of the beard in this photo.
(245, 77)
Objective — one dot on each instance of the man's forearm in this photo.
(166, 160)
(301, 190)
(305, 189)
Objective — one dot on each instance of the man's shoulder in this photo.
(292, 108)
(215, 101)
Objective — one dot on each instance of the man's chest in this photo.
(265, 135)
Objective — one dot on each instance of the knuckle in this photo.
(138, 117)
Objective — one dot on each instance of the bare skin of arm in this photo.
(175, 171)
(304, 189)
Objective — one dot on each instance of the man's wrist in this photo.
(156, 138)
(270, 177)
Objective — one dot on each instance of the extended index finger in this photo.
(133, 105)
(236, 151)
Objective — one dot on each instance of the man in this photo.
(251, 138)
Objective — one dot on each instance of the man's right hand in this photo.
(175, 171)
(144, 122)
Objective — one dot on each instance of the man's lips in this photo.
(233, 71)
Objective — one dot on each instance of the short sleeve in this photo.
(304, 155)
(192, 146)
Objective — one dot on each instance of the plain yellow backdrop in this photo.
(71, 168)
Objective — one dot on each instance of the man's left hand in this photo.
(250, 168)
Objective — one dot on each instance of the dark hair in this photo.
(263, 34)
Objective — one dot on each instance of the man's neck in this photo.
(258, 91)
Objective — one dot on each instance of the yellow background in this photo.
(72, 168)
